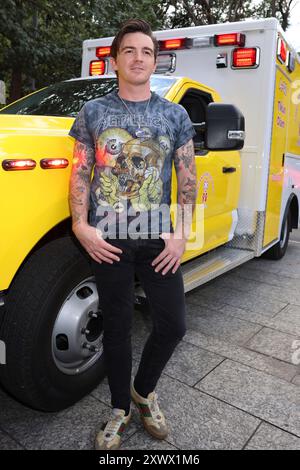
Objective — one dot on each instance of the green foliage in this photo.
(41, 40)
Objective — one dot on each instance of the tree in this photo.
(280, 9)
(42, 39)
(180, 13)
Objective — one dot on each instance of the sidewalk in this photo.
(232, 383)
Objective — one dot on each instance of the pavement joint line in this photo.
(243, 364)
(252, 435)
(249, 413)
(277, 273)
(11, 437)
(267, 283)
(249, 310)
(196, 383)
(254, 334)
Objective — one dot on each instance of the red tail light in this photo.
(245, 58)
(97, 67)
(103, 51)
(281, 51)
(14, 164)
(231, 39)
(54, 163)
(171, 44)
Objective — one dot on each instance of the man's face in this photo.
(135, 61)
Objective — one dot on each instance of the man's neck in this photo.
(134, 92)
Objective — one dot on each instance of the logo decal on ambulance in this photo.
(205, 186)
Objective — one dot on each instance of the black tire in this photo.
(277, 251)
(34, 300)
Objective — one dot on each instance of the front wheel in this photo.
(278, 251)
(53, 329)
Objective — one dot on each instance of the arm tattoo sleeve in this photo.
(186, 184)
(79, 192)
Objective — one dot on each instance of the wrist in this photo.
(181, 234)
(78, 226)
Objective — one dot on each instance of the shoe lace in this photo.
(113, 425)
(153, 404)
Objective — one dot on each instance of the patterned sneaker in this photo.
(109, 438)
(152, 418)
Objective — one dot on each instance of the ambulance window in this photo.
(195, 103)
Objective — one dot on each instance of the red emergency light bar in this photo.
(245, 58)
(97, 67)
(16, 164)
(231, 39)
(173, 44)
(281, 51)
(103, 51)
(54, 163)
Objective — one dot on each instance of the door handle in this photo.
(229, 169)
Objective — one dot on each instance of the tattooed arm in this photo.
(185, 168)
(186, 186)
(79, 194)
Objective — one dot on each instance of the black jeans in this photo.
(165, 293)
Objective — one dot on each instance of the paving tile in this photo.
(276, 322)
(234, 281)
(203, 301)
(198, 421)
(287, 266)
(290, 314)
(215, 324)
(269, 398)
(274, 343)
(7, 443)
(190, 363)
(268, 437)
(296, 379)
(142, 441)
(72, 429)
(252, 359)
(236, 298)
(248, 271)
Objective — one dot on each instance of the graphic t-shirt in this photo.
(134, 144)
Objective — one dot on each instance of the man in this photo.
(130, 138)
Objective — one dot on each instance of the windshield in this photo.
(67, 98)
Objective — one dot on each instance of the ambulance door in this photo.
(278, 149)
(218, 176)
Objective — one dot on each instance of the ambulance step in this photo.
(207, 267)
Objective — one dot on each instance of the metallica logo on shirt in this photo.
(133, 160)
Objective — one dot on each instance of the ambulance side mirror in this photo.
(225, 127)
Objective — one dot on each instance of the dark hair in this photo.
(133, 26)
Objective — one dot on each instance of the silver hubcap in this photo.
(77, 333)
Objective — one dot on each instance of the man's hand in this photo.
(171, 255)
(93, 243)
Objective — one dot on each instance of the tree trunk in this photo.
(16, 85)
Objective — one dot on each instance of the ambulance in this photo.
(252, 65)
(240, 84)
